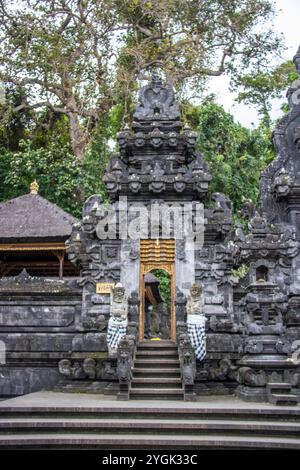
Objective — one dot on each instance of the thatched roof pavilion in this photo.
(33, 232)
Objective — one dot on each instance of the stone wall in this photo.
(41, 324)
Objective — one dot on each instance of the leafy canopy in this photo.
(236, 155)
(81, 57)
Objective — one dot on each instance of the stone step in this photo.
(155, 353)
(178, 411)
(158, 380)
(160, 363)
(278, 387)
(157, 345)
(156, 372)
(158, 348)
(148, 441)
(156, 393)
(275, 385)
(163, 426)
(280, 393)
(281, 399)
(156, 384)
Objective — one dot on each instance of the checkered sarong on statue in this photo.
(197, 335)
(116, 331)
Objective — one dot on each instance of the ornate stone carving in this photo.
(250, 377)
(125, 357)
(187, 361)
(119, 303)
(195, 303)
(222, 370)
(282, 184)
(157, 185)
(249, 277)
(86, 368)
(157, 102)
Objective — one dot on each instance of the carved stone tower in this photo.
(252, 321)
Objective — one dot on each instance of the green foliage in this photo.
(191, 40)
(62, 179)
(42, 129)
(66, 64)
(80, 58)
(236, 155)
(15, 126)
(241, 272)
(50, 129)
(164, 285)
(259, 88)
(45, 154)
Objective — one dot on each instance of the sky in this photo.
(286, 22)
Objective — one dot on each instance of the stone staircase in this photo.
(156, 372)
(281, 394)
(136, 425)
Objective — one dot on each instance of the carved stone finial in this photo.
(157, 102)
(34, 187)
(156, 78)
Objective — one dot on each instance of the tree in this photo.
(63, 180)
(15, 126)
(59, 51)
(261, 87)
(81, 57)
(236, 155)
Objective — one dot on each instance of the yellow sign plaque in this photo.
(104, 287)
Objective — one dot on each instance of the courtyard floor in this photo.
(52, 400)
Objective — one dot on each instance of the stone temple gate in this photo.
(253, 319)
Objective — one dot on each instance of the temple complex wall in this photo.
(41, 324)
(248, 275)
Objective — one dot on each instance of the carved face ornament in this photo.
(172, 139)
(139, 139)
(156, 139)
(118, 293)
(196, 291)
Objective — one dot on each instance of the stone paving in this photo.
(62, 400)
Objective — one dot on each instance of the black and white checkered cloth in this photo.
(197, 335)
(117, 329)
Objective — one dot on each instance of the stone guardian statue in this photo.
(196, 320)
(118, 321)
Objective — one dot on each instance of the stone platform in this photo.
(49, 420)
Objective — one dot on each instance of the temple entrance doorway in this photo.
(157, 290)
(157, 304)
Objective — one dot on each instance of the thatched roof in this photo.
(31, 218)
(24, 284)
(151, 279)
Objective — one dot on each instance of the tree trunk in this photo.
(79, 137)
